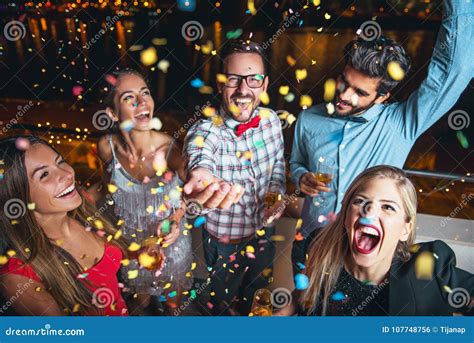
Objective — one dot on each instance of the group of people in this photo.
(229, 182)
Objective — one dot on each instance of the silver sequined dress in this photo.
(133, 202)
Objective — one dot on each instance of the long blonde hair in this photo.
(57, 269)
(328, 251)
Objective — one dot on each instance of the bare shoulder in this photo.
(103, 148)
(161, 139)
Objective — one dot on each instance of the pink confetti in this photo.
(146, 179)
(250, 255)
(100, 233)
(77, 90)
(111, 79)
(332, 217)
(22, 143)
(321, 218)
(209, 304)
(168, 176)
(232, 258)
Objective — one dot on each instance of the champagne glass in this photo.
(324, 173)
(262, 303)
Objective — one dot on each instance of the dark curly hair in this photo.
(234, 46)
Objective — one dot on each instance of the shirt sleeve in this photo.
(18, 267)
(200, 147)
(450, 70)
(299, 157)
(279, 174)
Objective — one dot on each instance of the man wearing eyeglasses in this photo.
(359, 130)
(232, 166)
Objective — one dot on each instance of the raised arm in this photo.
(450, 70)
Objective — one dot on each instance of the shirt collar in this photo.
(367, 116)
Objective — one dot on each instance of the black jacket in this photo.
(450, 290)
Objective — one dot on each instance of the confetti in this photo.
(147, 261)
(159, 41)
(221, 78)
(264, 98)
(299, 236)
(290, 60)
(98, 224)
(462, 139)
(283, 90)
(209, 111)
(278, 238)
(264, 113)
(395, 71)
(251, 7)
(424, 266)
(155, 124)
(306, 101)
(197, 83)
(22, 143)
(234, 34)
(31, 206)
(289, 97)
(127, 125)
(301, 74)
(199, 141)
(132, 274)
(3, 260)
(206, 90)
(199, 221)
(329, 90)
(327, 16)
(301, 282)
(112, 188)
(338, 296)
(193, 265)
(163, 65)
(330, 108)
(148, 56)
(134, 247)
(77, 91)
(112, 80)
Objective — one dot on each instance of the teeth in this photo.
(142, 114)
(370, 231)
(242, 101)
(66, 191)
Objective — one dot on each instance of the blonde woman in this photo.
(365, 263)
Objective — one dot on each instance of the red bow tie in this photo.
(241, 128)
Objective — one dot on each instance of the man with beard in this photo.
(235, 159)
(363, 131)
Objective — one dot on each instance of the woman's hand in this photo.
(172, 236)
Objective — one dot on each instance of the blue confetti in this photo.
(300, 23)
(197, 83)
(172, 294)
(199, 221)
(301, 282)
(338, 296)
(162, 298)
(300, 265)
(365, 221)
(187, 5)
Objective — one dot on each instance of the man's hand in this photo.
(310, 186)
(211, 192)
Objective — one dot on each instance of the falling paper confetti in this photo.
(395, 71)
(301, 282)
(127, 125)
(148, 56)
(197, 83)
(306, 101)
(329, 90)
(301, 74)
(283, 90)
(424, 266)
(338, 296)
(264, 98)
(163, 65)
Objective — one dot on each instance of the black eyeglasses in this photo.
(253, 81)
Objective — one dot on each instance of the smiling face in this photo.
(132, 101)
(240, 102)
(356, 92)
(51, 181)
(376, 221)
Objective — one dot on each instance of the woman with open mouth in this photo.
(58, 260)
(365, 262)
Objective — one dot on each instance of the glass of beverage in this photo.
(150, 255)
(271, 197)
(262, 303)
(324, 173)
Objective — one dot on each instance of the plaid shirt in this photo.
(251, 160)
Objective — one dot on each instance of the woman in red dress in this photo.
(59, 256)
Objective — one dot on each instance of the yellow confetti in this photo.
(109, 238)
(448, 289)
(261, 232)
(154, 191)
(249, 249)
(98, 224)
(206, 90)
(148, 56)
(134, 246)
(290, 60)
(188, 274)
(313, 62)
(221, 78)
(112, 188)
(316, 3)
(424, 266)
(301, 74)
(251, 7)
(31, 206)
(76, 308)
(207, 48)
(327, 16)
(168, 285)
(11, 253)
(329, 90)
(278, 238)
(299, 222)
(395, 71)
(264, 113)
(120, 222)
(125, 262)
(264, 98)
(248, 155)
(291, 119)
(414, 248)
(3, 260)
(209, 111)
(283, 90)
(234, 109)
(38, 289)
(193, 265)
(199, 141)
(217, 120)
(149, 209)
(132, 274)
(306, 101)
(146, 260)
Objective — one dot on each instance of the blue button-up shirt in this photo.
(384, 134)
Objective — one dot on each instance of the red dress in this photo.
(102, 279)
